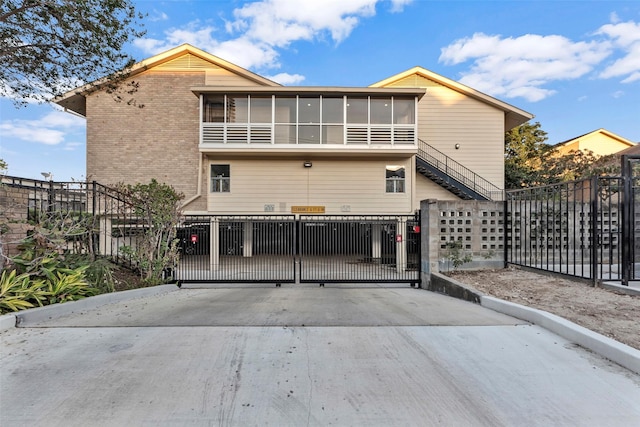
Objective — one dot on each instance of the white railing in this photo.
(232, 133)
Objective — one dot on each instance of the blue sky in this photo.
(574, 64)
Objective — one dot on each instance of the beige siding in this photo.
(427, 189)
(214, 75)
(185, 62)
(599, 144)
(447, 117)
(222, 77)
(341, 186)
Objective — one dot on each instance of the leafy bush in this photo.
(44, 274)
(157, 207)
(99, 272)
(18, 292)
(69, 286)
(22, 291)
(456, 254)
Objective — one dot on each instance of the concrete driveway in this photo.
(302, 356)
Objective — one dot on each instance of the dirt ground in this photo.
(609, 313)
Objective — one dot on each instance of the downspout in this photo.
(199, 186)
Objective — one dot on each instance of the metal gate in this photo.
(311, 249)
(338, 249)
(237, 249)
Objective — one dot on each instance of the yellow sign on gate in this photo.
(307, 209)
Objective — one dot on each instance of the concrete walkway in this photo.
(292, 356)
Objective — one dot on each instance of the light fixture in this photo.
(307, 164)
(47, 175)
(457, 146)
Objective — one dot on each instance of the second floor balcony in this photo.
(320, 118)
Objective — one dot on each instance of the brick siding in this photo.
(129, 144)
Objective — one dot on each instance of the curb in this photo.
(611, 349)
(40, 314)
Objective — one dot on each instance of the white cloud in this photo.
(48, 130)
(193, 33)
(522, 66)
(247, 53)
(158, 15)
(280, 22)
(617, 94)
(72, 146)
(26, 133)
(287, 79)
(625, 37)
(526, 66)
(614, 18)
(259, 29)
(398, 5)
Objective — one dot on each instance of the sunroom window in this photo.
(308, 119)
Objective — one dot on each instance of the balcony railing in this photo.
(356, 134)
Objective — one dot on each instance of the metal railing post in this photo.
(594, 230)
(627, 219)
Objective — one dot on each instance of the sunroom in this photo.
(294, 117)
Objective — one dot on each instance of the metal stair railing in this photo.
(458, 172)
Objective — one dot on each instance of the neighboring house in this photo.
(601, 142)
(235, 142)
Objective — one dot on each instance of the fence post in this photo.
(51, 197)
(505, 231)
(594, 230)
(429, 240)
(627, 219)
(94, 185)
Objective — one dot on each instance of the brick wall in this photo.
(133, 144)
(14, 204)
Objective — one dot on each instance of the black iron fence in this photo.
(359, 248)
(237, 249)
(309, 249)
(91, 217)
(575, 228)
(223, 248)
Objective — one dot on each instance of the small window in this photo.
(395, 179)
(220, 179)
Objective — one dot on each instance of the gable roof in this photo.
(605, 132)
(184, 56)
(513, 115)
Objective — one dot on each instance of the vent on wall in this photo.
(186, 62)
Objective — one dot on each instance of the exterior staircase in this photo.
(453, 176)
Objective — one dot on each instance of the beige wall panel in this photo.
(185, 62)
(600, 144)
(343, 187)
(427, 189)
(222, 77)
(129, 144)
(447, 117)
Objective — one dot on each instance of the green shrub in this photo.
(456, 254)
(68, 286)
(18, 292)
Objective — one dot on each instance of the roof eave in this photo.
(513, 116)
(311, 90)
(75, 100)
